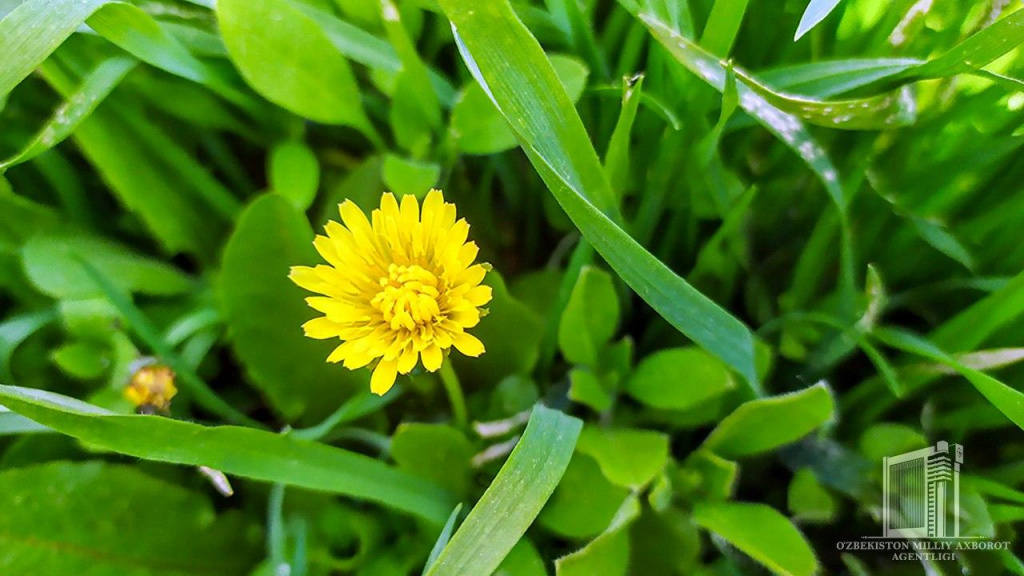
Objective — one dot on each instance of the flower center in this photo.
(408, 297)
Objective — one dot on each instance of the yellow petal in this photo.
(355, 358)
(338, 354)
(467, 344)
(383, 377)
(432, 357)
(407, 360)
(307, 278)
(479, 295)
(321, 328)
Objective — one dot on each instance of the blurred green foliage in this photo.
(742, 250)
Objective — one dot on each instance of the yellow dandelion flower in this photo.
(151, 387)
(398, 288)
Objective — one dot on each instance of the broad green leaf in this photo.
(585, 387)
(96, 86)
(51, 265)
(584, 502)
(808, 500)
(760, 532)
(104, 519)
(762, 425)
(510, 332)
(816, 11)
(609, 553)
(292, 62)
(887, 438)
(509, 63)
(590, 317)
(628, 457)
(481, 129)
(14, 330)
(294, 173)
(679, 379)
(265, 312)
(405, 176)
(439, 453)
(82, 359)
(235, 451)
(514, 498)
(523, 560)
(706, 477)
(664, 543)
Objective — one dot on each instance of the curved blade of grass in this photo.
(510, 65)
(514, 498)
(33, 30)
(353, 409)
(978, 50)
(816, 11)
(14, 423)
(785, 126)
(442, 539)
(255, 454)
(831, 78)
(1007, 400)
(96, 86)
(778, 111)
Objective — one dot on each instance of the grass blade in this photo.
(96, 86)
(723, 25)
(509, 63)
(515, 497)
(33, 30)
(1009, 401)
(13, 423)
(233, 450)
(816, 11)
(443, 538)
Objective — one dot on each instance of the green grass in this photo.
(741, 251)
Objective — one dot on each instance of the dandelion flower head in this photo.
(398, 288)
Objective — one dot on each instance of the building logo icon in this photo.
(921, 493)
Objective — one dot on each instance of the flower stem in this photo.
(454, 389)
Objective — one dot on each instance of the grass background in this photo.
(742, 250)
